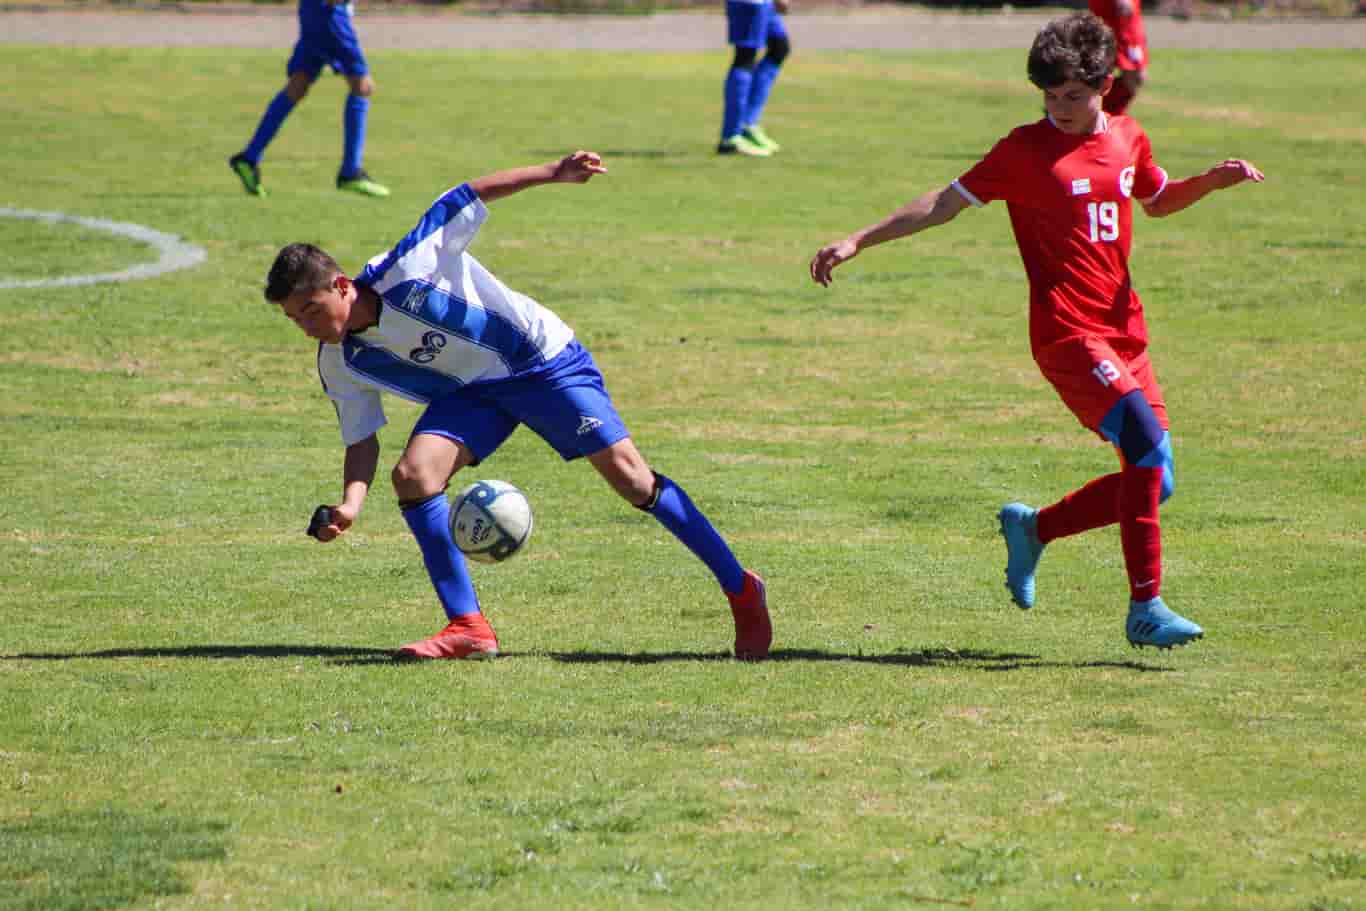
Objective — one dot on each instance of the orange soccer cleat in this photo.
(753, 631)
(467, 636)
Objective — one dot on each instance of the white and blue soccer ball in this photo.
(490, 521)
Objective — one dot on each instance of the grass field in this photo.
(196, 704)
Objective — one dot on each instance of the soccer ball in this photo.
(490, 521)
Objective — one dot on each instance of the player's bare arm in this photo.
(1182, 194)
(358, 473)
(927, 211)
(577, 167)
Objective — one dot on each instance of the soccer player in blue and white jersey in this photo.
(427, 322)
(326, 38)
(751, 25)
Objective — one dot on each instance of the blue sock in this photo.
(738, 82)
(429, 520)
(764, 76)
(275, 115)
(677, 513)
(357, 108)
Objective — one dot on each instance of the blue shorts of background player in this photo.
(326, 38)
(750, 27)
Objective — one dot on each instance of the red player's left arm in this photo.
(1181, 194)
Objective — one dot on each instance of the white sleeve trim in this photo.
(963, 191)
(1151, 199)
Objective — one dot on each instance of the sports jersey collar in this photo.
(1102, 124)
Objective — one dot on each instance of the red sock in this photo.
(1093, 506)
(1117, 99)
(1139, 530)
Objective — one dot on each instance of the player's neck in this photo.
(365, 310)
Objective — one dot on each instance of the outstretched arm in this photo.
(1182, 194)
(933, 208)
(575, 168)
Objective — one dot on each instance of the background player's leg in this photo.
(746, 26)
(355, 113)
(246, 164)
(355, 117)
(765, 74)
(739, 82)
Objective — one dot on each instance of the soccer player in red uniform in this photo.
(1068, 181)
(1125, 18)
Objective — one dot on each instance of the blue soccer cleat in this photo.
(1153, 623)
(1023, 549)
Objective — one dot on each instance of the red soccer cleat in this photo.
(753, 631)
(467, 636)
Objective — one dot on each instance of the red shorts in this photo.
(1090, 378)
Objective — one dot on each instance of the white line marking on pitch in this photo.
(174, 252)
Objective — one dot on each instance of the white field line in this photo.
(174, 253)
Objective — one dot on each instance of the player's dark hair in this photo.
(299, 267)
(1076, 47)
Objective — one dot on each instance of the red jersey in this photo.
(1131, 42)
(1069, 199)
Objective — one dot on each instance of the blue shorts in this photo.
(753, 25)
(565, 403)
(333, 43)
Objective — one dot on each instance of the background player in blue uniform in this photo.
(326, 38)
(751, 25)
(426, 321)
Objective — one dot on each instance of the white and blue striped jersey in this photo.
(444, 322)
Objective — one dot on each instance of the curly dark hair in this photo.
(1075, 47)
(299, 267)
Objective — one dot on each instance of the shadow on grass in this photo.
(355, 655)
(213, 651)
(929, 657)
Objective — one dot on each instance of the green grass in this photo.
(195, 703)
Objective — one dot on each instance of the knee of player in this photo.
(745, 58)
(626, 471)
(363, 86)
(297, 87)
(412, 480)
(777, 51)
(633, 480)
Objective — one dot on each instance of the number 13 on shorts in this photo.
(1106, 372)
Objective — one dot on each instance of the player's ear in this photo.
(342, 285)
(1108, 84)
